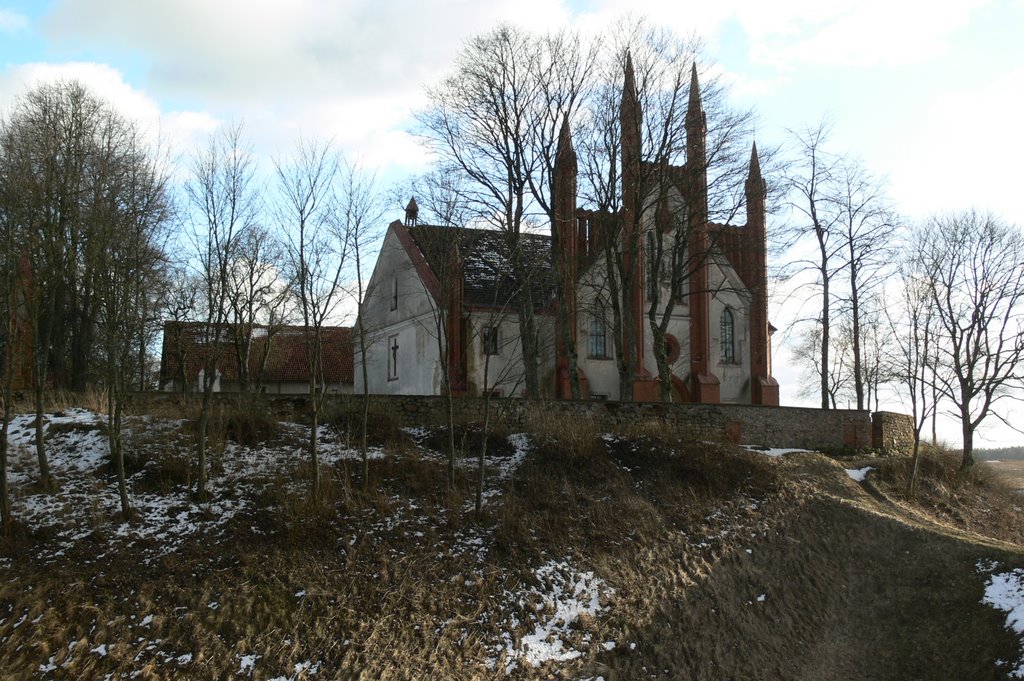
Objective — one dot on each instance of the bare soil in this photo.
(715, 563)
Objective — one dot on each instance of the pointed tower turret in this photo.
(764, 388)
(696, 148)
(631, 125)
(412, 211)
(704, 384)
(755, 190)
(566, 255)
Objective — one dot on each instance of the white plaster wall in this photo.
(734, 377)
(413, 322)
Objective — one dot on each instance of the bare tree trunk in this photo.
(117, 449)
(314, 451)
(5, 499)
(44, 467)
(825, 326)
(366, 413)
(858, 371)
(202, 428)
(482, 457)
(967, 462)
(912, 483)
(451, 441)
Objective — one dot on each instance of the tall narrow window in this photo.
(652, 261)
(392, 358)
(394, 293)
(597, 339)
(489, 340)
(727, 331)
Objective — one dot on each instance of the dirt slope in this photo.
(644, 555)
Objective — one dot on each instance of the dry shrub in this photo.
(246, 421)
(577, 435)
(58, 429)
(670, 433)
(383, 428)
(979, 499)
(250, 423)
(469, 439)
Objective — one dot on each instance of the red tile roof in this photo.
(286, 362)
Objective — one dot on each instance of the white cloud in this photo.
(250, 50)
(965, 152)
(178, 129)
(868, 33)
(11, 22)
(788, 33)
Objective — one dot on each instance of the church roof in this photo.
(286, 353)
(486, 262)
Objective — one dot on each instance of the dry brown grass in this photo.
(400, 580)
(979, 501)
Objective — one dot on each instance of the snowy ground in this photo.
(1004, 591)
(86, 506)
(77, 452)
(774, 451)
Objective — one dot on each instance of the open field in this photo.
(597, 556)
(1012, 472)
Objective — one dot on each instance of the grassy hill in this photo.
(632, 555)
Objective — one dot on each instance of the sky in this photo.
(928, 94)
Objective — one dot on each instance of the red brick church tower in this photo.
(577, 236)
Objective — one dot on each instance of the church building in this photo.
(440, 310)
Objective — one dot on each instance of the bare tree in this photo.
(866, 222)
(810, 181)
(224, 202)
(180, 305)
(14, 273)
(255, 296)
(911, 350)
(974, 266)
(481, 123)
(684, 153)
(837, 373)
(443, 205)
(358, 218)
(130, 229)
(313, 213)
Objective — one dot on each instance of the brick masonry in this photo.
(794, 427)
(788, 427)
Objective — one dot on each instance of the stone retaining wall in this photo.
(789, 427)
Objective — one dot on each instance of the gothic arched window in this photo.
(727, 334)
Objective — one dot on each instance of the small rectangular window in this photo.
(597, 343)
(489, 340)
(394, 294)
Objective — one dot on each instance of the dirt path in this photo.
(843, 589)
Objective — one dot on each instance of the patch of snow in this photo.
(247, 664)
(1005, 592)
(858, 474)
(774, 451)
(564, 595)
